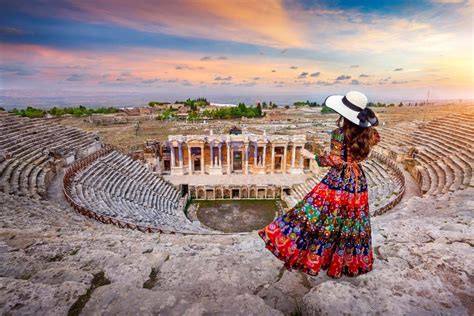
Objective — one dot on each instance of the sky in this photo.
(235, 50)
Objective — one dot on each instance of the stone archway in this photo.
(201, 193)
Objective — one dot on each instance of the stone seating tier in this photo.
(26, 143)
(114, 186)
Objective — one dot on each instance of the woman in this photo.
(330, 227)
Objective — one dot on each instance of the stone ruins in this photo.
(87, 229)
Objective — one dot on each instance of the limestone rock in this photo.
(24, 297)
(49, 257)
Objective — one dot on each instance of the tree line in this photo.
(241, 110)
(80, 110)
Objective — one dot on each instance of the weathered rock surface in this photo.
(53, 261)
(424, 263)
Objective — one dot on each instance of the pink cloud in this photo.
(263, 22)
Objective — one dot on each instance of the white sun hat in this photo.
(353, 106)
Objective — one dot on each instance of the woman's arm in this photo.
(333, 158)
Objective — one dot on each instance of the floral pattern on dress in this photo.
(330, 227)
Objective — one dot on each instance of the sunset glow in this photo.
(232, 49)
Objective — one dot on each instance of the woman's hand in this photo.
(307, 154)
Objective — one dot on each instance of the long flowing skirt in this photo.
(328, 229)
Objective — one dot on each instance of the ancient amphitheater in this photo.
(88, 229)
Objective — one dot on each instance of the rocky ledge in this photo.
(53, 261)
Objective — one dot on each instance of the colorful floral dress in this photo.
(330, 227)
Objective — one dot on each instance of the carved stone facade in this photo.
(201, 192)
(233, 154)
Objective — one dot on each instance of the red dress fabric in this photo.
(330, 227)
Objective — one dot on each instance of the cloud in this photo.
(323, 83)
(186, 67)
(146, 63)
(222, 83)
(343, 77)
(448, 1)
(293, 67)
(77, 77)
(11, 31)
(355, 82)
(315, 74)
(186, 83)
(303, 75)
(246, 84)
(385, 80)
(398, 69)
(399, 82)
(205, 58)
(264, 22)
(17, 70)
(220, 78)
(148, 81)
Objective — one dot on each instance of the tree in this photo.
(259, 109)
(325, 110)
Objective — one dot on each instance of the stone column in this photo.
(301, 157)
(180, 154)
(228, 157)
(220, 154)
(293, 156)
(212, 153)
(264, 156)
(272, 170)
(190, 160)
(246, 158)
(284, 158)
(202, 159)
(173, 162)
(255, 154)
(231, 158)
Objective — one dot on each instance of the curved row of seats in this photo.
(30, 149)
(118, 187)
(444, 151)
(386, 184)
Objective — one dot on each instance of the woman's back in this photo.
(346, 173)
